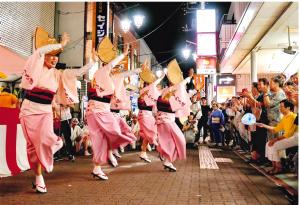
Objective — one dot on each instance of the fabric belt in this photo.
(39, 96)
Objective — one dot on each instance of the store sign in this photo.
(199, 81)
(206, 44)
(225, 80)
(101, 21)
(206, 33)
(206, 20)
(206, 65)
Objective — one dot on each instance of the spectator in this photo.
(65, 118)
(259, 135)
(135, 129)
(286, 124)
(76, 133)
(202, 123)
(7, 99)
(216, 121)
(190, 128)
(86, 141)
(272, 100)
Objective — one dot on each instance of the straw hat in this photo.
(174, 72)
(42, 38)
(146, 75)
(3, 75)
(106, 50)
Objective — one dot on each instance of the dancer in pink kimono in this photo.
(120, 101)
(148, 128)
(41, 81)
(174, 101)
(105, 132)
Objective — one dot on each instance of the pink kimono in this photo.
(105, 130)
(171, 140)
(148, 128)
(36, 114)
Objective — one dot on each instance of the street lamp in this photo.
(138, 20)
(186, 53)
(125, 25)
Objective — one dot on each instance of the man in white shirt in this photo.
(135, 128)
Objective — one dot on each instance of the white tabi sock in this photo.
(97, 170)
(39, 180)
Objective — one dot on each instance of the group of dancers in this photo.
(107, 96)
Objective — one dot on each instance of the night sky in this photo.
(168, 40)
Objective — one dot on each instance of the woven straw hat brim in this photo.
(147, 76)
(106, 50)
(42, 38)
(174, 72)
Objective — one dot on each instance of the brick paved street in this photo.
(135, 182)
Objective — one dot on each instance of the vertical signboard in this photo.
(101, 21)
(206, 41)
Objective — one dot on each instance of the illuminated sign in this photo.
(206, 44)
(224, 80)
(206, 20)
(224, 93)
(199, 81)
(206, 65)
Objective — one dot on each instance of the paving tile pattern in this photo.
(147, 184)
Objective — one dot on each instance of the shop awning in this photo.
(11, 64)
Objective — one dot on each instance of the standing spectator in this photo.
(202, 123)
(196, 110)
(272, 101)
(259, 137)
(216, 121)
(135, 129)
(287, 125)
(7, 99)
(65, 118)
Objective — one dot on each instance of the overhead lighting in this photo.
(194, 56)
(186, 53)
(125, 25)
(138, 20)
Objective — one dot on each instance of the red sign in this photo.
(206, 65)
(199, 81)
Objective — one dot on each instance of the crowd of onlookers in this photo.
(274, 104)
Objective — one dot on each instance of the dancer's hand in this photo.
(65, 39)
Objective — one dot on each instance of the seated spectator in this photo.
(190, 128)
(86, 141)
(7, 99)
(288, 139)
(76, 134)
